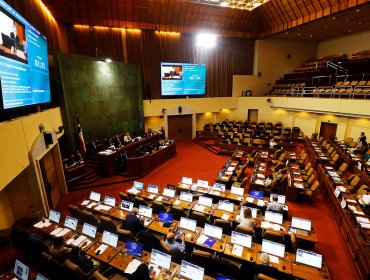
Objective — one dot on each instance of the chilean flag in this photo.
(81, 141)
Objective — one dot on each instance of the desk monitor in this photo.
(138, 185)
(169, 192)
(237, 191)
(273, 217)
(206, 201)
(191, 271)
(241, 239)
(281, 198)
(153, 189)
(254, 211)
(21, 270)
(110, 201)
(70, 223)
(110, 239)
(127, 205)
(39, 276)
(202, 184)
(301, 223)
(134, 248)
(165, 217)
(160, 259)
(95, 196)
(54, 216)
(212, 231)
(188, 224)
(145, 211)
(219, 187)
(226, 206)
(187, 180)
(186, 196)
(89, 230)
(308, 258)
(256, 194)
(273, 248)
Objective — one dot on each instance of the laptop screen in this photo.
(145, 211)
(188, 224)
(254, 211)
(110, 201)
(169, 192)
(165, 217)
(241, 239)
(202, 184)
(95, 196)
(281, 198)
(54, 216)
(127, 205)
(186, 196)
(39, 276)
(274, 217)
(70, 223)
(212, 231)
(206, 201)
(153, 189)
(219, 187)
(308, 258)
(160, 259)
(273, 248)
(301, 223)
(226, 206)
(256, 194)
(89, 230)
(138, 185)
(191, 271)
(187, 181)
(134, 248)
(237, 191)
(110, 239)
(21, 270)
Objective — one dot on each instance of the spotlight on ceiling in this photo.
(108, 60)
(206, 40)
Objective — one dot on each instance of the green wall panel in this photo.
(107, 97)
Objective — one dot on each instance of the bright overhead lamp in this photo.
(248, 5)
(207, 40)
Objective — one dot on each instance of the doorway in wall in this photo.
(180, 127)
(328, 130)
(253, 115)
(50, 178)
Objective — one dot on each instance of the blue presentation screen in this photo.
(24, 69)
(179, 79)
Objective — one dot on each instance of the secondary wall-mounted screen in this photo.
(182, 79)
(24, 69)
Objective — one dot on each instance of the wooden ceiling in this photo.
(275, 18)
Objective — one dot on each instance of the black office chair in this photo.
(89, 218)
(225, 225)
(159, 207)
(149, 241)
(178, 212)
(204, 259)
(201, 218)
(75, 212)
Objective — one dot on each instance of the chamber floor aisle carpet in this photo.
(196, 162)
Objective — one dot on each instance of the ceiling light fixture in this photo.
(248, 5)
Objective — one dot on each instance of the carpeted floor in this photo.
(194, 161)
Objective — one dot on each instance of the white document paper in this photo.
(101, 248)
(133, 191)
(85, 202)
(260, 202)
(132, 266)
(240, 198)
(237, 250)
(274, 259)
(259, 182)
(159, 198)
(91, 205)
(201, 239)
(366, 226)
(225, 217)
(79, 240)
(63, 232)
(261, 176)
(56, 231)
(103, 207)
(151, 196)
(250, 199)
(177, 202)
(41, 224)
(363, 220)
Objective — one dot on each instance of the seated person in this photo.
(173, 243)
(71, 160)
(78, 156)
(82, 260)
(275, 205)
(58, 251)
(133, 223)
(265, 267)
(246, 220)
(127, 138)
(142, 273)
(364, 199)
(268, 181)
(272, 143)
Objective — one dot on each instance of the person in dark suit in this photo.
(265, 267)
(82, 260)
(142, 273)
(133, 223)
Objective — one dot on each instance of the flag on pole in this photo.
(81, 141)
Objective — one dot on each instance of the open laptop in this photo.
(127, 205)
(206, 201)
(237, 191)
(212, 231)
(88, 231)
(308, 258)
(153, 189)
(39, 276)
(219, 187)
(160, 259)
(273, 217)
(95, 196)
(21, 270)
(187, 181)
(202, 184)
(54, 216)
(138, 185)
(134, 248)
(145, 211)
(165, 218)
(273, 248)
(110, 201)
(186, 196)
(169, 192)
(191, 271)
(301, 226)
(71, 223)
(188, 224)
(110, 239)
(241, 239)
(226, 206)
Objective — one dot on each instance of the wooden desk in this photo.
(184, 204)
(302, 271)
(157, 226)
(122, 259)
(218, 246)
(165, 199)
(235, 197)
(107, 255)
(249, 254)
(97, 209)
(284, 265)
(202, 209)
(217, 213)
(148, 195)
(217, 195)
(119, 214)
(74, 171)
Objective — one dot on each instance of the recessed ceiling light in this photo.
(108, 60)
(299, 34)
(349, 31)
(333, 17)
(357, 11)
